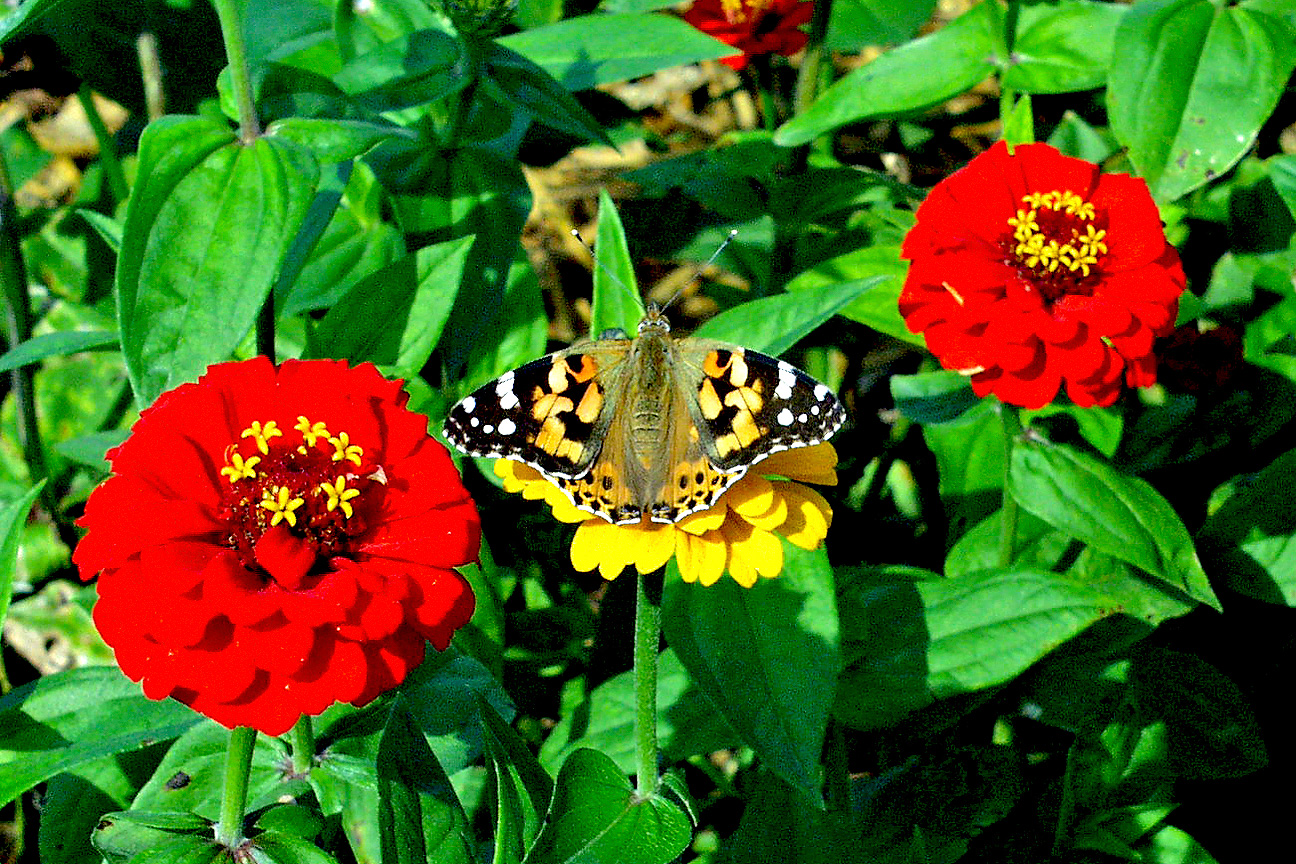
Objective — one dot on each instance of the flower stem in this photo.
(1012, 428)
(107, 148)
(646, 641)
(238, 765)
(1007, 95)
(303, 746)
(265, 329)
(812, 61)
(17, 329)
(231, 24)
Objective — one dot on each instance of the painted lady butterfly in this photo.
(653, 425)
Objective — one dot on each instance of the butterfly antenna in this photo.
(607, 271)
(697, 274)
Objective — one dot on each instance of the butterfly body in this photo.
(652, 426)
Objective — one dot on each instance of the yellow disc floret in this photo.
(240, 468)
(1059, 246)
(311, 432)
(339, 497)
(262, 434)
(279, 500)
(344, 449)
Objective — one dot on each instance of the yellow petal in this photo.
(768, 519)
(752, 553)
(701, 559)
(704, 520)
(808, 515)
(596, 544)
(655, 546)
(752, 494)
(806, 464)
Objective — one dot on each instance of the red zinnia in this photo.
(753, 26)
(274, 540)
(1032, 270)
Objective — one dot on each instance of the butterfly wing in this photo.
(552, 413)
(749, 405)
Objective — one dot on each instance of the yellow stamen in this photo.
(240, 468)
(339, 496)
(344, 449)
(262, 434)
(279, 501)
(311, 432)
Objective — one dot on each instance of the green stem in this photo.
(763, 80)
(231, 24)
(107, 147)
(17, 329)
(810, 76)
(1012, 429)
(1007, 95)
(146, 47)
(646, 641)
(238, 766)
(303, 746)
(836, 771)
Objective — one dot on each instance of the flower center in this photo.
(736, 11)
(317, 484)
(1056, 245)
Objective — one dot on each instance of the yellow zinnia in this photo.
(737, 534)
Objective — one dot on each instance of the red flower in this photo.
(274, 540)
(753, 26)
(1032, 270)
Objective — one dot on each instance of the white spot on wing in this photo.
(787, 379)
(488, 429)
(784, 417)
(821, 392)
(474, 421)
(508, 400)
(507, 427)
(468, 405)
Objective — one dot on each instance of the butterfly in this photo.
(652, 425)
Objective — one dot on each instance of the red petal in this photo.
(285, 556)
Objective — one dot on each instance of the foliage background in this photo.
(1115, 692)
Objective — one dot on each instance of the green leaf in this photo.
(55, 345)
(63, 720)
(878, 307)
(108, 229)
(596, 816)
(421, 67)
(858, 23)
(1212, 729)
(1122, 516)
(394, 317)
(917, 75)
(933, 397)
(617, 304)
(191, 776)
(687, 725)
(291, 819)
(535, 91)
(588, 50)
(1019, 128)
(186, 839)
(1062, 47)
(1191, 83)
(91, 449)
(766, 656)
(13, 518)
(884, 643)
(1252, 536)
(1172, 845)
(420, 818)
(334, 140)
(522, 788)
(276, 847)
(775, 324)
(170, 148)
(206, 230)
(74, 800)
(970, 459)
(1282, 171)
(988, 626)
(777, 817)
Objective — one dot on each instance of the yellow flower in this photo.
(736, 535)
